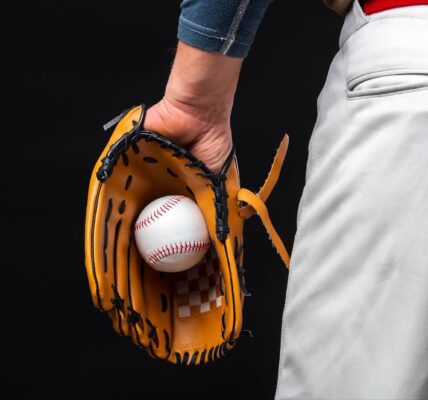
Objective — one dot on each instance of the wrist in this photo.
(203, 82)
(206, 109)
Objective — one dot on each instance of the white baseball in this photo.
(171, 234)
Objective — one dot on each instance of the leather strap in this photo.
(260, 208)
(256, 202)
(272, 178)
(275, 170)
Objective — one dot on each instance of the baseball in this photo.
(171, 234)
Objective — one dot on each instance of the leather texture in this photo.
(190, 317)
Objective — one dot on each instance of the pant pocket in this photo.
(387, 82)
(387, 56)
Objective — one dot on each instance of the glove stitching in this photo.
(218, 180)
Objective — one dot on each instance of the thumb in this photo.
(153, 120)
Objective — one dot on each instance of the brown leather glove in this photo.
(190, 317)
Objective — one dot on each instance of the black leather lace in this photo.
(218, 181)
(117, 301)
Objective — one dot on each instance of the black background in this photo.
(81, 63)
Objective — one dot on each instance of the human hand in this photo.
(195, 110)
(209, 138)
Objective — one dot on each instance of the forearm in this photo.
(204, 81)
(196, 107)
(214, 38)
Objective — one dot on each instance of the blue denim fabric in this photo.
(226, 26)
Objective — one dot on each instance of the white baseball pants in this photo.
(355, 322)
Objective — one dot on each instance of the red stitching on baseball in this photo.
(159, 212)
(173, 248)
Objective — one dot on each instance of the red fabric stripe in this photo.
(373, 6)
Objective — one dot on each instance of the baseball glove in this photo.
(190, 317)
